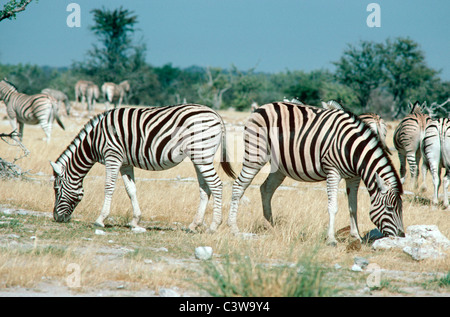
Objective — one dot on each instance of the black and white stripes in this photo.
(313, 144)
(24, 109)
(436, 154)
(148, 138)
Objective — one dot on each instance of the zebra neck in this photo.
(77, 159)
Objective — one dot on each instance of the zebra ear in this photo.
(381, 184)
(56, 168)
(324, 105)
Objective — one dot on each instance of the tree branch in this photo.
(15, 8)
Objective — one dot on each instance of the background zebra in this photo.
(59, 96)
(408, 137)
(23, 109)
(114, 94)
(436, 154)
(313, 144)
(149, 138)
(81, 90)
(92, 95)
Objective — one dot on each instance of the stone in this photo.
(360, 261)
(100, 232)
(356, 268)
(420, 242)
(168, 292)
(138, 230)
(203, 253)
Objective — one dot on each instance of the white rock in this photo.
(356, 268)
(361, 262)
(420, 242)
(203, 253)
(138, 230)
(100, 232)
(168, 292)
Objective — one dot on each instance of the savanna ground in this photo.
(39, 257)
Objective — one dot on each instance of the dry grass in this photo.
(300, 213)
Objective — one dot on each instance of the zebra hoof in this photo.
(332, 243)
(99, 224)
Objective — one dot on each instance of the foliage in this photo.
(12, 7)
(241, 276)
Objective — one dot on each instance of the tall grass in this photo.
(238, 275)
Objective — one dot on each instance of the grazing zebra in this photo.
(59, 96)
(29, 109)
(375, 122)
(313, 144)
(436, 154)
(408, 137)
(115, 93)
(148, 138)
(92, 95)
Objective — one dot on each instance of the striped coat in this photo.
(436, 153)
(313, 144)
(150, 138)
(24, 109)
(408, 137)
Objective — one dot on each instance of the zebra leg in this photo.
(445, 185)
(267, 190)
(402, 159)
(127, 173)
(112, 170)
(423, 187)
(435, 173)
(413, 169)
(209, 183)
(352, 196)
(333, 179)
(239, 186)
(205, 193)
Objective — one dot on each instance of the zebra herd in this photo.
(305, 143)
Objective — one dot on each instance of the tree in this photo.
(110, 61)
(12, 7)
(404, 70)
(360, 69)
(211, 91)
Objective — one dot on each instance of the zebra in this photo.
(436, 154)
(313, 144)
(59, 96)
(115, 93)
(29, 109)
(92, 95)
(408, 137)
(375, 122)
(81, 90)
(378, 125)
(151, 138)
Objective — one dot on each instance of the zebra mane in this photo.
(71, 148)
(374, 136)
(9, 83)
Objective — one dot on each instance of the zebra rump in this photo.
(152, 138)
(436, 154)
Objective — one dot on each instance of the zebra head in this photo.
(67, 194)
(387, 211)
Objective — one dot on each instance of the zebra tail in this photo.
(224, 162)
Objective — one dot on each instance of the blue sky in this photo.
(271, 35)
